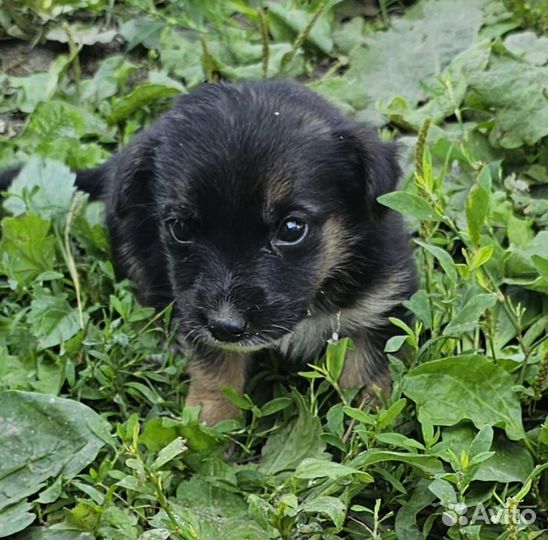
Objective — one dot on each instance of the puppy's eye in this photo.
(181, 231)
(291, 231)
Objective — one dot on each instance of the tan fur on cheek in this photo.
(334, 250)
(207, 382)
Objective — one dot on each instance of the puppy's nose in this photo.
(229, 329)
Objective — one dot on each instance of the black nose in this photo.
(226, 329)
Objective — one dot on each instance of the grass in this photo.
(96, 442)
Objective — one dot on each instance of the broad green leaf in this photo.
(299, 439)
(333, 508)
(405, 60)
(444, 491)
(53, 321)
(419, 305)
(517, 93)
(54, 435)
(467, 387)
(159, 432)
(110, 76)
(38, 87)
(178, 56)
(52, 533)
(511, 462)
(143, 95)
(27, 248)
(468, 316)
(445, 92)
(61, 120)
(528, 46)
(15, 517)
(395, 343)
(80, 33)
(213, 512)
(409, 205)
(43, 186)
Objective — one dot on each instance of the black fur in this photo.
(212, 161)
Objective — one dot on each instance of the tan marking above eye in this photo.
(334, 250)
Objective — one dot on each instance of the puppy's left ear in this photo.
(376, 164)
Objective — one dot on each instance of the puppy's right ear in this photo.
(376, 163)
(132, 172)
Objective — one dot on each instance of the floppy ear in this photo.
(134, 223)
(132, 174)
(376, 164)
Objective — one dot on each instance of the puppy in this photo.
(252, 207)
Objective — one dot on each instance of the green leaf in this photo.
(468, 316)
(444, 258)
(482, 256)
(175, 448)
(213, 512)
(333, 508)
(80, 33)
(53, 533)
(53, 435)
(334, 357)
(467, 387)
(38, 87)
(409, 204)
(477, 205)
(517, 93)
(15, 517)
(425, 463)
(297, 20)
(511, 461)
(242, 402)
(53, 320)
(444, 491)
(395, 343)
(299, 439)
(140, 97)
(275, 405)
(400, 440)
(528, 46)
(61, 120)
(406, 518)
(159, 432)
(28, 249)
(405, 60)
(311, 468)
(385, 418)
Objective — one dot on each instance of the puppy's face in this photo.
(260, 198)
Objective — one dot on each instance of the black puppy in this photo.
(253, 207)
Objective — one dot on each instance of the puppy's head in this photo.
(262, 194)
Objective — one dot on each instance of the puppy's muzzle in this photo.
(229, 329)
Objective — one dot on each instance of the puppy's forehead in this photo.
(250, 157)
